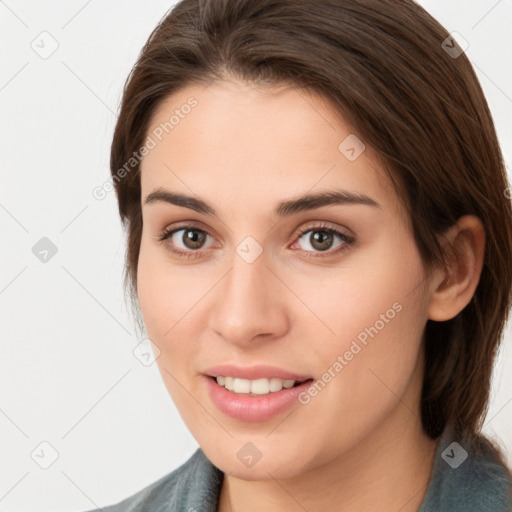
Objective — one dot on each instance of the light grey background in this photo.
(68, 376)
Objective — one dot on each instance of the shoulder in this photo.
(468, 476)
(193, 486)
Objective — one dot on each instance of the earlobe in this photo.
(454, 286)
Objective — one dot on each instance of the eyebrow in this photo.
(284, 209)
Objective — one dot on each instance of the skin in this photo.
(243, 149)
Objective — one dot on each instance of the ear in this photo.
(453, 287)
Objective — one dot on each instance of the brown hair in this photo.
(383, 66)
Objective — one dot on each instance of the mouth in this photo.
(271, 398)
(257, 387)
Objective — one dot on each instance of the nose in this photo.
(250, 303)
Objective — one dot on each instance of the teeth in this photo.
(228, 383)
(242, 386)
(257, 387)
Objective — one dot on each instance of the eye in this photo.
(191, 240)
(322, 238)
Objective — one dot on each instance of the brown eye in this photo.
(184, 241)
(193, 238)
(322, 239)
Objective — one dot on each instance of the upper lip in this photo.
(254, 372)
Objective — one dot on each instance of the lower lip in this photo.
(254, 408)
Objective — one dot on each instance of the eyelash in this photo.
(347, 240)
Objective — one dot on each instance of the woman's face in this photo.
(346, 310)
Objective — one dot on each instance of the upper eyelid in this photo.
(305, 226)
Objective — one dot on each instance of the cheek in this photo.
(164, 291)
(162, 300)
(378, 288)
(151, 289)
(171, 300)
(376, 321)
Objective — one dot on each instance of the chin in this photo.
(268, 462)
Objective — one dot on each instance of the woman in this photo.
(320, 245)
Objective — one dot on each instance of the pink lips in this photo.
(253, 408)
(253, 372)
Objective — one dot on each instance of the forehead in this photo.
(250, 142)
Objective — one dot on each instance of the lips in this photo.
(255, 408)
(252, 407)
(255, 372)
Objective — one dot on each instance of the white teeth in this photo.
(228, 383)
(257, 387)
(278, 384)
(242, 386)
(260, 386)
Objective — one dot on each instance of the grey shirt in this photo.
(466, 477)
